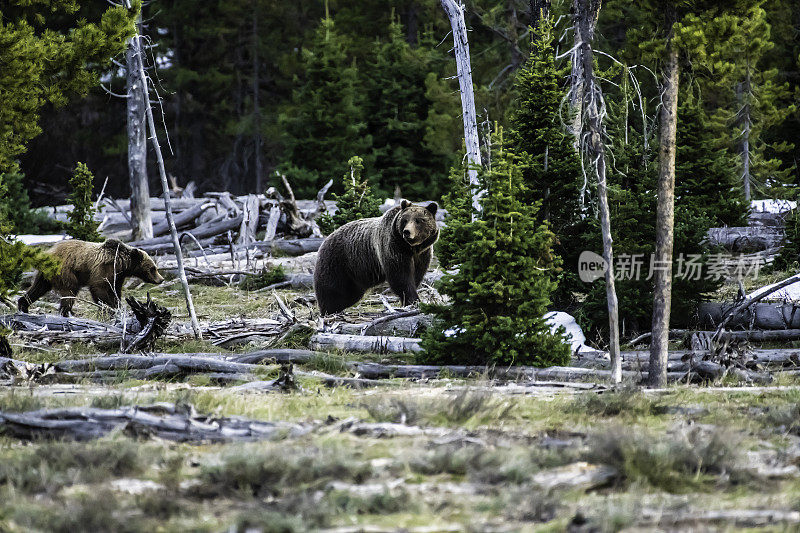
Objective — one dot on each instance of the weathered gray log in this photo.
(746, 239)
(182, 219)
(215, 227)
(759, 316)
(575, 476)
(361, 343)
(695, 519)
(31, 322)
(165, 421)
(402, 324)
(188, 363)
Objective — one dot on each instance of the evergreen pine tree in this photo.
(706, 180)
(552, 168)
(397, 108)
(82, 225)
(358, 200)
(506, 272)
(749, 98)
(326, 120)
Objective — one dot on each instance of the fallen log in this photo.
(216, 227)
(163, 420)
(182, 219)
(360, 343)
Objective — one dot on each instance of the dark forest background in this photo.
(278, 85)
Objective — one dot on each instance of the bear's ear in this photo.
(405, 204)
(432, 207)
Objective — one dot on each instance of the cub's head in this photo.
(416, 224)
(144, 268)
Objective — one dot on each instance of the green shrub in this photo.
(268, 276)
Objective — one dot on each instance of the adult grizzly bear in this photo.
(361, 254)
(103, 267)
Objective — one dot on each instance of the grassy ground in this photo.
(484, 459)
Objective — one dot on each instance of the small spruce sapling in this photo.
(505, 273)
(358, 200)
(82, 225)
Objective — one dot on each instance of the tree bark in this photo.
(455, 12)
(665, 218)
(745, 119)
(165, 187)
(586, 13)
(256, 107)
(142, 225)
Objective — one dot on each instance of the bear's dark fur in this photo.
(361, 254)
(103, 267)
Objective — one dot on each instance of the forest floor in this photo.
(428, 455)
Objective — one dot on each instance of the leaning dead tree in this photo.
(590, 98)
(165, 186)
(455, 12)
(141, 221)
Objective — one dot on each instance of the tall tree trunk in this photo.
(137, 149)
(665, 220)
(165, 187)
(586, 13)
(455, 12)
(256, 107)
(746, 123)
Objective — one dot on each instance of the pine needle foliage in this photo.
(16, 257)
(358, 200)
(82, 225)
(506, 270)
(552, 168)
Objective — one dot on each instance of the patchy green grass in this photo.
(471, 462)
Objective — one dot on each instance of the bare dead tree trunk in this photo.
(586, 13)
(165, 187)
(256, 107)
(665, 219)
(137, 149)
(455, 12)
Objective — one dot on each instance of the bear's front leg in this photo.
(402, 284)
(104, 293)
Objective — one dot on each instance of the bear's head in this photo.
(144, 268)
(416, 225)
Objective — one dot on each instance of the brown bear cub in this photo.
(396, 247)
(103, 267)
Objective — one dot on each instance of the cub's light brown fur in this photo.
(103, 267)
(361, 254)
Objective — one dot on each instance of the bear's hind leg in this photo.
(332, 300)
(39, 288)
